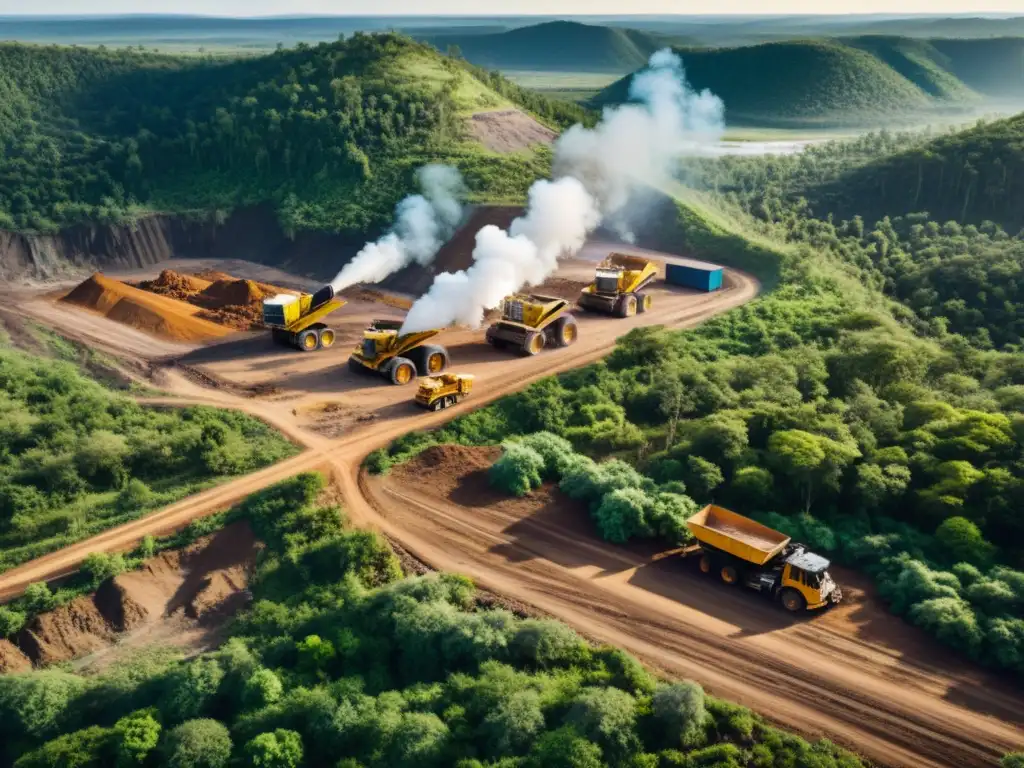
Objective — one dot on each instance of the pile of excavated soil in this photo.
(509, 130)
(220, 297)
(561, 288)
(456, 254)
(205, 582)
(159, 315)
(176, 285)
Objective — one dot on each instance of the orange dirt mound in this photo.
(227, 292)
(175, 285)
(452, 460)
(206, 580)
(159, 315)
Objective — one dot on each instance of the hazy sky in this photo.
(509, 7)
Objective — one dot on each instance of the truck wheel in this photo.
(402, 371)
(705, 563)
(566, 332)
(643, 302)
(327, 338)
(792, 600)
(626, 305)
(729, 575)
(533, 343)
(308, 340)
(430, 359)
(436, 405)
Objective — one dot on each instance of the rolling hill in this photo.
(557, 46)
(969, 177)
(808, 81)
(329, 134)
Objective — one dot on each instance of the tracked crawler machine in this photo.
(618, 286)
(437, 392)
(742, 551)
(398, 357)
(295, 321)
(530, 322)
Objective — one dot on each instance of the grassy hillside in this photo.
(330, 133)
(967, 177)
(918, 61)
(557, 45)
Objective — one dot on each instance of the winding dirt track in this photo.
(811, 676)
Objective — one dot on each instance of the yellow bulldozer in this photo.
(530, 322)
(295, 321)
(618, 286)
(437, 392)
(398, 357)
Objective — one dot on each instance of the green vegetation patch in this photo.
(341, 661)
(77, 458)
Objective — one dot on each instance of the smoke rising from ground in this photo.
(422, 225)
(597, 171)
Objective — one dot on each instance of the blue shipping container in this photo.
(695, 274)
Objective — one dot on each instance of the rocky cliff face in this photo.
(252, 234)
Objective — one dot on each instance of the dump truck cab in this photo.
(399, 357)
(295, 320)
(742, 551)
(618, 286)
(437, 392)
(530, 322)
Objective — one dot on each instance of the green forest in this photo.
(330, 134)
(870, 404)
(343, 661)
(77, 457)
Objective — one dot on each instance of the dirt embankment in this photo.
(251, 234)
(177, 591)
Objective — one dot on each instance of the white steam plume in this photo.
(597, 170)
(422, 224)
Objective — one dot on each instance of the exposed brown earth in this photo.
(203, 582)
(509, 130)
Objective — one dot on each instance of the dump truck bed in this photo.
(738, 535)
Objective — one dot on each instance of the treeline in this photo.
(815, 405)
(77, 458)
(341, 661)
(962, 279)
(338, 127)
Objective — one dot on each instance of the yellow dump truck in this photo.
(295, 321)
(398, 357)
(618, 286)
(742, 551)
(530, 322)
(437, 392)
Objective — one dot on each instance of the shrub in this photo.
(679, 707)
(280, 749)
(10, 621)
(512, 725)
(101, 566)
(621, 515)
(136, 735)
(565, 748)
(546, 644)
(557, 452)
(261, 689)
(519, 470)
(962, 541)
(38, 598)
(190, 688)
(32, 704)
(1013, 760)
(606, 716)
(951, 620)
(198, 744)
(82, 749)
(135, 496)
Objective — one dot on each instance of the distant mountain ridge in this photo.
(557, 46)
(849, 80)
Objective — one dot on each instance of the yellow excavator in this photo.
(295, 321)
(398, 357)
(437, 392)
(618, 286)
(530, 322)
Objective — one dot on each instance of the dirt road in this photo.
(817, 677)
